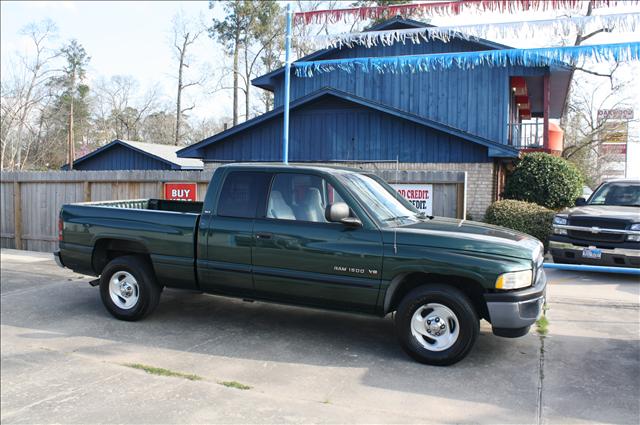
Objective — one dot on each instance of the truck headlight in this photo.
(560, 220)
(515, 280)
(634, 238)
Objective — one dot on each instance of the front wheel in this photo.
(128, 288)
(437, 324)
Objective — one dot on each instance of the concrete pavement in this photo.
(63, 360)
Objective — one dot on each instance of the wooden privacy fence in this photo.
(31, 201)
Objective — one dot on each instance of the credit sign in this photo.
(420, 195)
(181, 191)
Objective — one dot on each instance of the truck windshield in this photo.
(618, 193)
(383, 204)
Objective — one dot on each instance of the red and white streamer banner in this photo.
(622, 22)
(445, 8)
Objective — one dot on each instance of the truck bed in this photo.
(150, 204)
(163, 230)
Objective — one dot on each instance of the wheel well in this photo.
(471, 288)
(106, 250)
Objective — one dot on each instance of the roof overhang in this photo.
(559, 82)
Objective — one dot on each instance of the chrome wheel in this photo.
(124, 290)
(435, 327)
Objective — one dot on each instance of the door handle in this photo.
(263, 235)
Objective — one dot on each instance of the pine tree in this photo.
(74, 92)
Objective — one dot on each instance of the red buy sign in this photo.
(181, 191)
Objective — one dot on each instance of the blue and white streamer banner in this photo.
(620, 52)
(623, 22)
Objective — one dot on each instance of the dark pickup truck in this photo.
(603, 230)
(313, 236)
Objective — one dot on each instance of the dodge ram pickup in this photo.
(603, 230)
(320, 237)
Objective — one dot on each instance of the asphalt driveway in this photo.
(65, 360)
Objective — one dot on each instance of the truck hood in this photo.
(467, 236)
(605, 211)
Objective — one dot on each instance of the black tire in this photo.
(468, 324)
(147, 293)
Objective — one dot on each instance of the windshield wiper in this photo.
(400, 217)
(422, 215)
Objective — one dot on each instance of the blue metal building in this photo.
(127, 155)
(476, 119)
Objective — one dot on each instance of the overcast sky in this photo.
(134, 38)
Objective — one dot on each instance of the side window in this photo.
(241, 194)
(302, 197)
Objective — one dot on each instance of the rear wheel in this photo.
(128, 288)
(437, 324)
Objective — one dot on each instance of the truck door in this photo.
(230, 233)
(300, 257)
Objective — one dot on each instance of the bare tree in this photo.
(586, 130)
(185, 34)
(119, 109)
(23, 93)
(302, 32)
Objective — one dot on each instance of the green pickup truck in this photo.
(320, 237)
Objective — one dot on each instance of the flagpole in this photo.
(287, 83)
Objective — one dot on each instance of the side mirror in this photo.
(339, 213)
(580, 202)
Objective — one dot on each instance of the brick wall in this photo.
(481, 179)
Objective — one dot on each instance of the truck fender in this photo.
(398, 280)
(98, 263)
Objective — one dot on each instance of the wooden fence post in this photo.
(17, 214)
(87, 191)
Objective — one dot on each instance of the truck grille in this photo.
(602, 223)
(596, 237)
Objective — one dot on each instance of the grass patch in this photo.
(163, 372)
(235, 384)
(542, 325)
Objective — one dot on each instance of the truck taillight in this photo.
(60, 226)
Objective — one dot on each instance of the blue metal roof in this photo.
(265, 81)
(494, 149)
(164, 154)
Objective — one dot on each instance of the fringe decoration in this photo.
(620, 52)
(445, 8)
(624, 22)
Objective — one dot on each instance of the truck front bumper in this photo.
(512, 313)
(567, 252)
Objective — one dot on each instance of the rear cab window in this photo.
(243, 194)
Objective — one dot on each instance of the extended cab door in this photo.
(229, 233)
(300, 257)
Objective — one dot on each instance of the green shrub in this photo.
(525, 217)
(545, 180)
